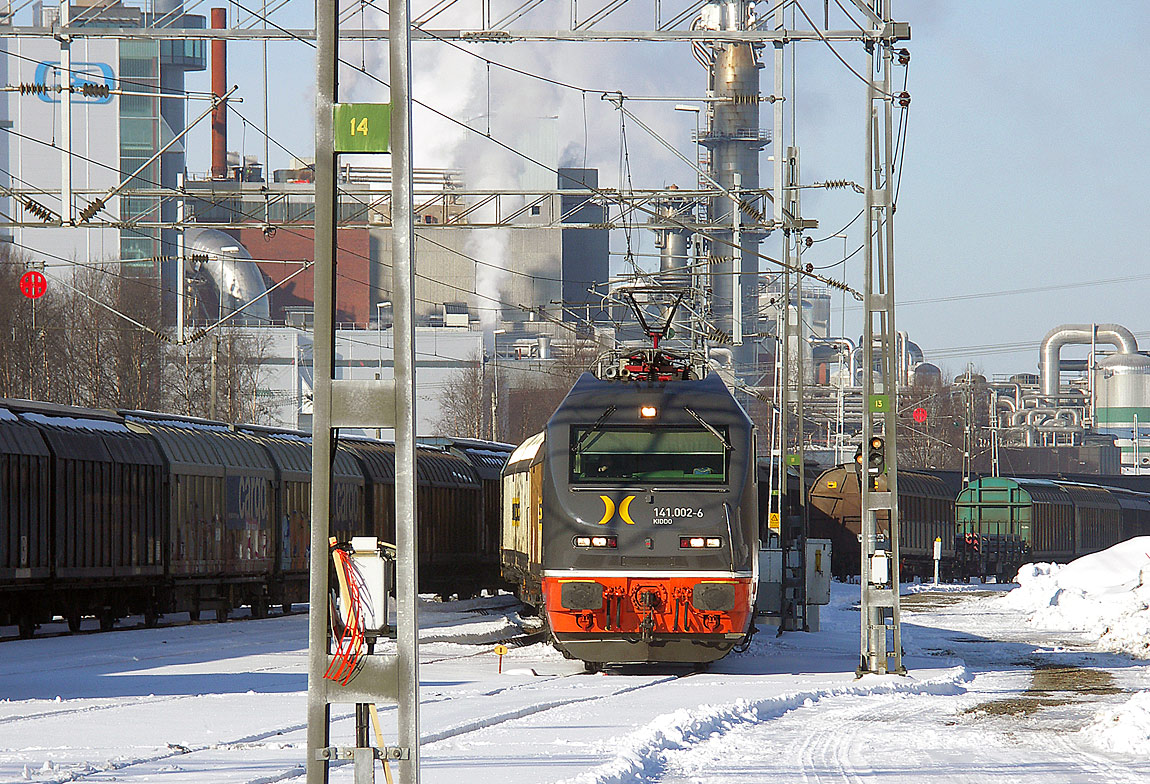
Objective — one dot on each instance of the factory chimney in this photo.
(219, 87)
(734, 141)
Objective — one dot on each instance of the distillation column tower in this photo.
(734, 141)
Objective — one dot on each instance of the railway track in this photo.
(490, 708)
(13, 631)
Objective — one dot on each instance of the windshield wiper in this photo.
(714, 431)
(598, 424)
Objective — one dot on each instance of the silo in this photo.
(1122, 402)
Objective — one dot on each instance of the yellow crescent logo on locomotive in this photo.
(623, 510)
(609, 510)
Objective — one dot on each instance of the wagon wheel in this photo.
(27, 627)
(260, 607)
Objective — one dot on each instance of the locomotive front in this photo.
(649, 521)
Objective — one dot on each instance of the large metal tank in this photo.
(1122, 402)
(237, 279)
(926, 375)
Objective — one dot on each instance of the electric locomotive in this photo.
(631, 521)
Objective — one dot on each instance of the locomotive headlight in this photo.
(692, 542)
(648, 412)
(609, 542)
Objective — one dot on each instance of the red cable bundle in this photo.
(351, 640)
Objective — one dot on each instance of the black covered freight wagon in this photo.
(1097, 517)
(1135, 513)
(221, 546)
(487, 459)
(291, 455)
(453, 556)
(106, 508)
(451, 526)
(25, 525)
(378, 464)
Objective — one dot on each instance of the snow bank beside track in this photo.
(1124, 729)
(1105, 594)
(641, 755)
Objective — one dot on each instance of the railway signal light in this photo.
(876, 456)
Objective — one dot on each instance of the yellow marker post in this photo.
(500, 651)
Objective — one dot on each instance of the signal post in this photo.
(393, 678)
(881, 634)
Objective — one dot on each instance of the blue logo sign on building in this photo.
(98, 74)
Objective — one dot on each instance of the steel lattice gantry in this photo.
(881, 635)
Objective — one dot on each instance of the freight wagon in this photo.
(107, 514)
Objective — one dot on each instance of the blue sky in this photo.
(1025, 164)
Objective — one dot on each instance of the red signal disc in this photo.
(33, 284)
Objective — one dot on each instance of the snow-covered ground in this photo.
(1039, 684)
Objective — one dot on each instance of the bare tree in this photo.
(137, 354)
(31, 336)
(529, 393)
(465, 403)
(236, 357)
(937, 442)
(114, 344)
(535, 393)
(98, 342)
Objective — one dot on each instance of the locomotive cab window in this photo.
(630, 454)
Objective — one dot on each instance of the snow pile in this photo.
(1124, 729)
(1105, 594)
(641, 756)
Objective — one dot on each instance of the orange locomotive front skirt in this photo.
(648, 606)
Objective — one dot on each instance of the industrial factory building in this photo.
(107, 130)
(512, 278)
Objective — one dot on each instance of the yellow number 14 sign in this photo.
(362, 127)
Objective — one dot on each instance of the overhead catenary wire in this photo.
(603, 193)
(256, 15)
(146, 88)
(838, 56)
(385, 265)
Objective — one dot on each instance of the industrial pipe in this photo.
(1080, 334)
